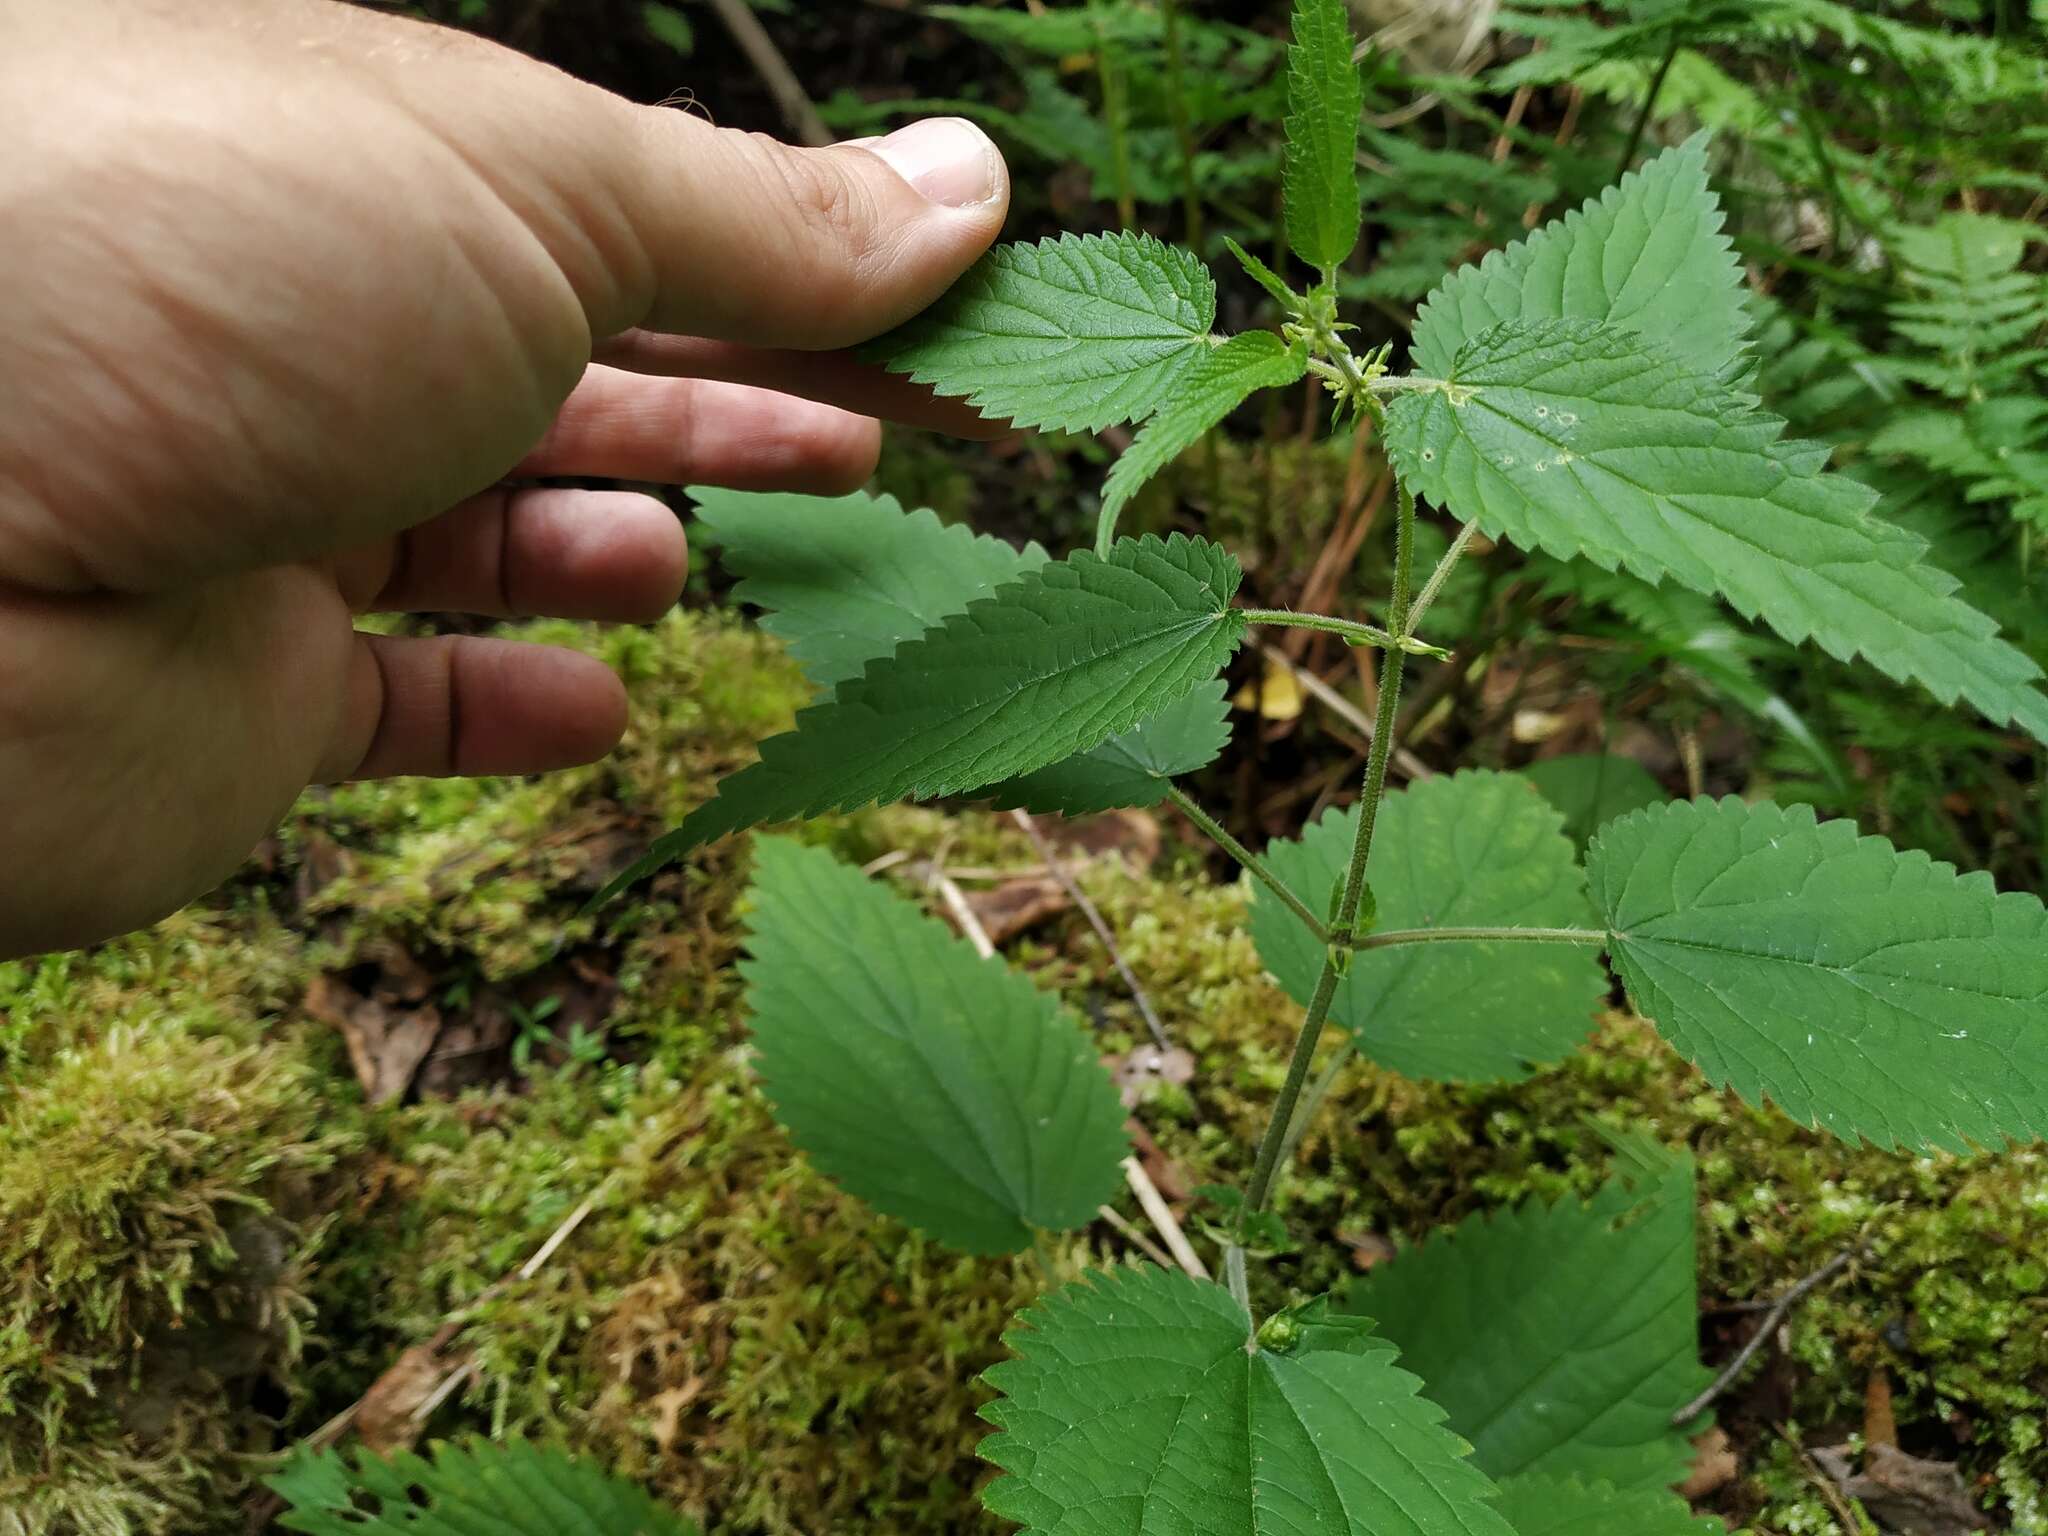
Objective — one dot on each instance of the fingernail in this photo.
(948, 159)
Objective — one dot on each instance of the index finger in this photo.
(832, 378)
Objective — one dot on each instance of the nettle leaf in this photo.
(1324, 99)
(1056, 662)
(1136, 1405)
(1592, 788)
(1560, 1506)
(1209, 391)
(515, 1488)
(1580, 439)
(1866, 991)
(1132, 768)
(845, 579)
(1647, 255)
(1472, 849)
(1559, 1339)
(941, 1088)
(1075, 333)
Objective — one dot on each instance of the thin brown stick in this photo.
(267, 1508)
(1160, 1214)
(1079, 897)
(1407, 762)
(1134, 1237)
(962, 913)
(1511, 122)
(1764, 1330)
(790, 97)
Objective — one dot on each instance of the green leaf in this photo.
(1647, 255)
(1471, 849)
(1056, 662)
(941, 1088)
(1052, 34)
(1076, 333)
(1138, 1405)
(1209, 391)
(1324, 100)
(1562, 1506)
(1592, 788)
(1583, 440)
(1133, 768)
(515, 1489)
(1867, 992)
(845, 579)
(666, 24)
(1559, 1339)
(1289, 301)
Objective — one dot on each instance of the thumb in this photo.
(746, 239)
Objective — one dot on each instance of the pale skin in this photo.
(288, 292)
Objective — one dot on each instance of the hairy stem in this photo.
(1184, 138)
(1355, 633)
(1397, 936)
(1440, 575)
(1312, 1101)
(1267, 1166)
(1257, 867)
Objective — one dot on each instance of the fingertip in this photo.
(585, 718)
(618, 556)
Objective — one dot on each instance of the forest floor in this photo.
(391, 1128)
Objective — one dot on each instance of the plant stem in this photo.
(1437, 577)
(1355, 633)
(1635, 137)
(1109, 72)
(1184, 138)
(1398, 936)
(1312, 1101)
(1251, 861)
(1267, 1166)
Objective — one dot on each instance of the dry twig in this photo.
(1764, 1330)
(1160, 1214)
(1410, 765)
(773, 68)
(1088, 908)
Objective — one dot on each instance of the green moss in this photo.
(157, 1220)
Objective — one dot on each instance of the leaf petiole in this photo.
(1251, 861)
(1353, 632)
(1398, 936)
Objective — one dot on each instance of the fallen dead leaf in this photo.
(471, 1050)
(1017, 904)
(1164, 1172)
(1713, 1465)
(1905, 1495)
(1141, 1070)
(1275, 696)
(384, 1418)
(385, 1044)
(668, 1410)
(1367, 1248)
(1132, 835)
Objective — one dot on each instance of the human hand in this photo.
(287, 290)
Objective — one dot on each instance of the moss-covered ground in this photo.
(209, 1243)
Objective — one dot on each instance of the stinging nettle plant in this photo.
(1584, 394)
